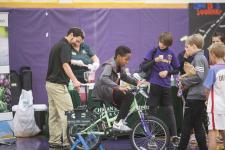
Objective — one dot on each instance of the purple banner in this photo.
(32, 33)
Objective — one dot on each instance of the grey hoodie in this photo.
(195, 83)
(105, 84)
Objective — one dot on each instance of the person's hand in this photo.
(76, 85)
(78, 62)
(183, 87)
(163, 74)
(187, 54)
(94, 66)
(159, 58)
(141, 82)
(189, 69)
(123, 89)
(90, 67)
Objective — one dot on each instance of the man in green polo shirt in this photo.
(83, 58)
(59, 99)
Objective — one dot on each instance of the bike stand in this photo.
(81, 140)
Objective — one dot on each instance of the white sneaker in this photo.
(152, 145)
(124, 121)
(121, 126)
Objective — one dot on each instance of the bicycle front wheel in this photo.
(156, 138)
(92, 141)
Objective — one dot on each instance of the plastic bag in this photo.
(24, 124)
(26, 99)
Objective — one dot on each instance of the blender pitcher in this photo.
(83, 93)
(89, 76)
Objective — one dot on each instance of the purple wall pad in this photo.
(105, 29)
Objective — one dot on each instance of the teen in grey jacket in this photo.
(194, 83)
(108, 81)
(107, 86)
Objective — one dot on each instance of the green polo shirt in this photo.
(85, 55)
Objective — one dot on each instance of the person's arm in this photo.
(208, 82)
(96, 63)
(175, 66)
(149, 60)
(127, 78)
(69, 73)
(147, 64)
(206, 92)
(199, 76)
(65, 58)
(77, 62)
(105, 77)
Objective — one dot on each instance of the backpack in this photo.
(26, 78)
(16, 87)
(145, 68)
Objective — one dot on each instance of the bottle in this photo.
(70, 86)
(172, 81)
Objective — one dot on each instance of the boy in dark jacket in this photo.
(108, 87)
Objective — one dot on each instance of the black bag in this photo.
(15, 86)
(79, 116)
(145, 67)
(26, 78)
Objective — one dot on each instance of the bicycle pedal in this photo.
(152, 146)
(117, 131)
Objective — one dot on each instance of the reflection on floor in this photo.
(41, 143)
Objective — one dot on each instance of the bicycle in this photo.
(148, 133)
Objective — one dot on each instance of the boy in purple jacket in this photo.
(164, 65)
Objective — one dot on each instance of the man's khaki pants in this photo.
(59, 101)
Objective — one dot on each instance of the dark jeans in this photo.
(193, 119)
(122, 102)
(162, 96)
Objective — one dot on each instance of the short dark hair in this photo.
(122, 50)
(76, 32)
(166, 38)
(220, 35)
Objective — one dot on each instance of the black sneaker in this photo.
(175, 140)
(56, 145)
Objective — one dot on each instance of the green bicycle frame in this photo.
(104, 116)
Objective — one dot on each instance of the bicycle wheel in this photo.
(92, 140)
(158, 138)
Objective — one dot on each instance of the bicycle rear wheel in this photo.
(158, 138)
(93, 141)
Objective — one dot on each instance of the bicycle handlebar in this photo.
(139, 89)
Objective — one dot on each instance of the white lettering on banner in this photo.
(4, 19)
(4, 43)
(112, 111)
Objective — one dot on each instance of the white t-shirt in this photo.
(215, 81)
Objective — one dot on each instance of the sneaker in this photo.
(66, 146)
(124, 121)
(55, 145)
(152, 145)
(120, 126)
(192, 139)
(175, 140)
